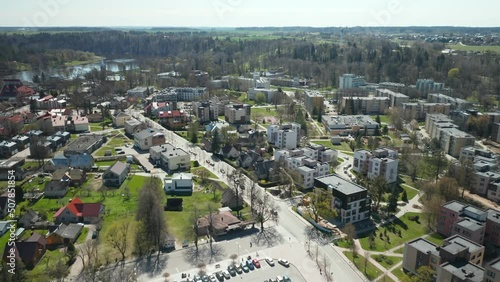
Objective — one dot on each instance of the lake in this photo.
(72, 72)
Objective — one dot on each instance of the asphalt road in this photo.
(289, 222)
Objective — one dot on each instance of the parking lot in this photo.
(265, 272)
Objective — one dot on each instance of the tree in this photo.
(435, 159)
(228, 135)
(215, 141)
(38, 151)
(118, 235)
(431, 210)
(464, 174)
(150, 213)
(350, 232)
(320, 204)
(260, 98)
(192, 231)
(193, 133)
(393, 200)
(424, 274)
(237, 183)
(385, 130)
(253, 196)
(377, 119)
(396, 118)
(377, 188)
(404, 196)
(265, 209)
(211, 225)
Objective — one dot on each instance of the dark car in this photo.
(219, 276)
(95, 234)
(250, 264)
(231, 270)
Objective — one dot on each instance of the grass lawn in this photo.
(435, 238)
(400, 250)
(83, 236)
(30, 165)
(371, 272)
(410, 193)
(263, 112)
(103, 149)
(118, 141)
(386, 278)
(49, 260)
(409, 230)
(407, 180)
(342, 147)
(383, 118)
(387, 261)
(180, 222)
(343, 243)
(199, 170)
(399, 273)
(105, 163)
(397, 141)
(3, 241)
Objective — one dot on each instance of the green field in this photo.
(387, 261)
(409, 230)
(460, 47)
(399, 273)
(371, 272)
(263, 112)
(435, 238)
(410, 193)
(344, 147)
(383, 118)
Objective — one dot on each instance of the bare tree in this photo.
(211, 225)
(265, 209)
(253, 195)
(89, 253)
(118, 236)
(237, 182)
(192, 231)
(350, 232)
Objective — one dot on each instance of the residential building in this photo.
(9, 90)
(365, 105)
(97, 117)
(116, 174)
(238, 113)
(472, 154)
(133, 126)
(268, 93)
(5, 226)
(84, 162)
(85, 144)
(179, 184)
(222, 223)
(382, 162)
(453, 140)
(8, 149)
(78, 212)
(307, 167)
(138, 92)
(189, 93)
(350, 125)
(9, 165)
(456, 103)
(56, 189)
(313, 102)
(418, 111)
(154, 108)
(348, 80)
(229, 152)
(119, 118)
(350, 200)
(492, 271)
(425, 86)
(21, 141)
(418, 253)
(203, 112)
(148, 138)
(460, 271)
(28, 219)
(286, 136)
(29, 252)
(248, 159)
(174, 120)
(170, 157)
(492, 234)
(78, 124)
(396, 100)
(265, 170)
(435, 122)
(495, 132)
(64, 234)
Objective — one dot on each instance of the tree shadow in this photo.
(203, 255)
(268, 237)
(152, 265)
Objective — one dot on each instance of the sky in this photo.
(240, 13)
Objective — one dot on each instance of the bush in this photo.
(196, 164)
(414, 218)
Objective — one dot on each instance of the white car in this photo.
(284, 262)
(270, 261)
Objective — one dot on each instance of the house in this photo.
(64, 234)
(116, 174)
(84, 162)
(12, 165)
(237, 113)
(173, 120)
(56, 189)
(77, 177)
(207, 144)
(264, 170)
(97, 117)
(29, 218)
(22, 141)
(119, 118)
(229, 152)
(248, 159)
(61, 175)
(7, 149)
(179, 184)
(170, 157)
(230, 200)
(29, 252)
(222, 223)
(77, 211)
(168, 242)
(5, 226)
(148, 138)
(85, 144)
(133, 126)
(78, 124)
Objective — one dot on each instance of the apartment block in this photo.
(382, 162)
(456, 103)
(419, 110)
(434, 123)
(396, 100)
(351, 201)
(238, 113)
(365, 105)
(452, 140)
(313, 100)
(170, 157)
(348, 80)
(428, 85)
(285, 136)
(493, 227)
(492, 271)
(460, 271)
(418, 253)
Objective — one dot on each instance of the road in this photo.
(289, 222)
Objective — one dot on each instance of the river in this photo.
(72, 72)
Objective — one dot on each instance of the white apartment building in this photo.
(170, 157)
(382, 162)
(238, 113)
(286, 136)
(348, 80)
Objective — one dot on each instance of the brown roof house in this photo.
(64, 234)
(77, 211)
(116, 174)
(222, 222)
(29, 252)
(56, 189)
(77, 177)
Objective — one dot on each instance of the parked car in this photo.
(284, 262)
(231, 270)
(226, 274)
(95, 234)
(250, 264)
(219, 276)
(270, 261)
(238, 269)
(256, 263)
(244, 267)
(212, 278)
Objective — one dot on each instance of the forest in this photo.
(319, 56)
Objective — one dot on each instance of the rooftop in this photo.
(349, 120)
(343, 186)
(454, 206)
(457, 133)
(464, 271)
(470, 224)
(495, 264)
(459, 240)
(494, 215)
(423, 245)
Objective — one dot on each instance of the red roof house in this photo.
(77, 211)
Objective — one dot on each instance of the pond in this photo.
(115, 66)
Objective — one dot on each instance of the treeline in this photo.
(378, 59)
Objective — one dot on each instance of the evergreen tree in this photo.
(393, 200)
(377, 119)
(215, 142)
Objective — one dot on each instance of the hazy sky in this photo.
(233, 13)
